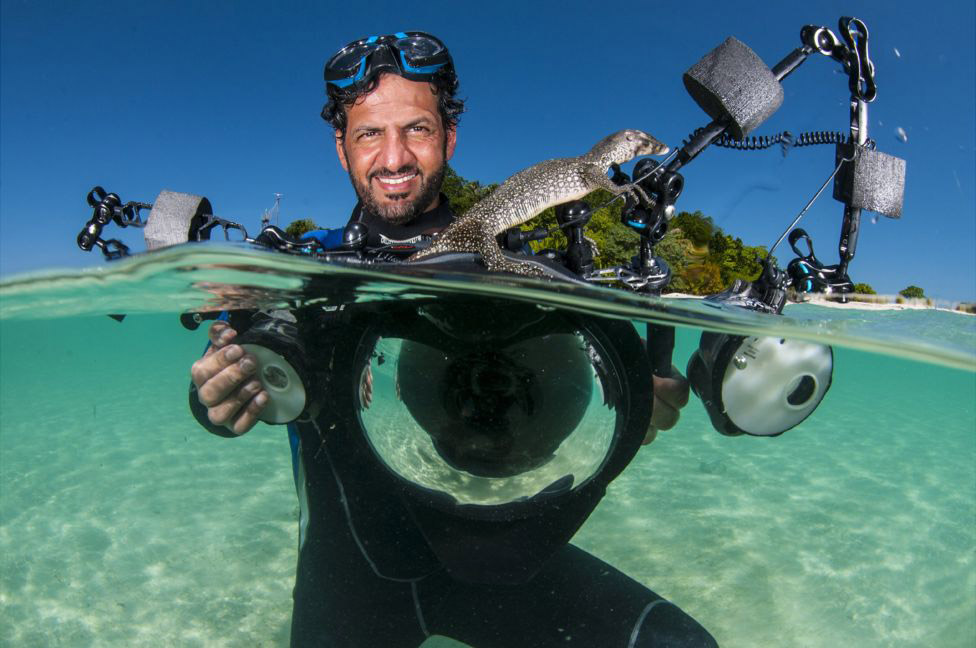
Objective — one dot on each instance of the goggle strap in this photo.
(348, 81)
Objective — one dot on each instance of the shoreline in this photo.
(871, 303)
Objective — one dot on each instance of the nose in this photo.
(396, 152)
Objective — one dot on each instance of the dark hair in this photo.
(444, 84)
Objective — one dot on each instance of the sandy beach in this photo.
(871, 302)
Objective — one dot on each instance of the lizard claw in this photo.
(647, 201)
(636, 193)
(639, 196)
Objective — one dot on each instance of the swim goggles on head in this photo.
(413, 55)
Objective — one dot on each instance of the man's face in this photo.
(395, 148)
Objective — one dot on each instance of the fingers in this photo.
(674, 389)
(218, 355)
(670, 395)
(217, 375)
(239, 411)
(221, 334)
(249, 415)
(225, 382)
(664, 416)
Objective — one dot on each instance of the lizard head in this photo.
(625, 145)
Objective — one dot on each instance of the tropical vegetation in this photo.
(912, 292)
(299, 227)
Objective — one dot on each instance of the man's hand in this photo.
(670, 395)
(225, 382)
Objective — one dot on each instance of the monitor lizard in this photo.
(530, 191)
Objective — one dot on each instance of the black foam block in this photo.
(732, 82)
(174, 218)
(874, 181)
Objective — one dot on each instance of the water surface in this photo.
(124, 523)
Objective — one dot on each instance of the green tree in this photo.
(674, 249)
(719, 243)
(296, 229)
(461, 193)
(864, 289)
(912, 292)
(704, 279)
(739, 261)
(696, 227)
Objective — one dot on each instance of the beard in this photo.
(401, 210)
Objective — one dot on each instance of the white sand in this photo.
(889, 302)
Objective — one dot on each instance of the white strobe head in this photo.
(285, 388)
(772, 384)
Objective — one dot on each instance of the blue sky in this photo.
(222, 99)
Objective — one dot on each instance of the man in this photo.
(371, 571)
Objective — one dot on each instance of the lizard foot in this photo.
(637, 193)
(523, 269)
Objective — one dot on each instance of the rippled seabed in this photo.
(123, 523)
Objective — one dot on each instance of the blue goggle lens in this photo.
(350, 57)
(418, 47)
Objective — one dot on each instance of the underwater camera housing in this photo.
(731, 374)
(505, 400)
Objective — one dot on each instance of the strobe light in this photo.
(281, 368)
(761, 386)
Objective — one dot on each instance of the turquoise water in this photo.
(124, 523)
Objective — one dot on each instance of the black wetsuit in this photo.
(376, 569)
(383, 233)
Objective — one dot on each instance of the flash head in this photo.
(761, 386)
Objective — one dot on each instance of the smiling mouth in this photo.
(396, 181)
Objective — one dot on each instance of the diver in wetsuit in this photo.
(388, 557)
